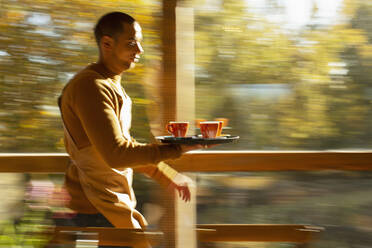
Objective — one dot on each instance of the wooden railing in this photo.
(108, 236)
(257, 233)
(212, 161)
(104, 236)
(206, 162)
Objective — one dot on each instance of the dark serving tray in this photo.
(194, 140)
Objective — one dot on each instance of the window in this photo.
(41, 47)
(289, 75)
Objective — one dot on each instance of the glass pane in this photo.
(286, 74)
(340, 202)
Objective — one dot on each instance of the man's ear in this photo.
(106, 43)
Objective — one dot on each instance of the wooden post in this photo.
(168, 108)
(178, 103)
(185, 111)
(168, 79)
(185, 92)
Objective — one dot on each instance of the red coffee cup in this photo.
(210, 129)
(197, 122)
(219, 128)
(224, 120)
(178, 128)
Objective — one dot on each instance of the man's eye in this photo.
(132, 43)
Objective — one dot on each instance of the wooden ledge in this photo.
(211, 161)
(110, 236)
(227, 161)
(257, 233)
(105, 236)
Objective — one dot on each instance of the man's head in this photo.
(118, 37)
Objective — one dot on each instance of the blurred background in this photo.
(286, 74)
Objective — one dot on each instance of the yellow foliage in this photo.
(354, 37)
(142, 101)
(251, 182)
(15, 15)
(366, 51)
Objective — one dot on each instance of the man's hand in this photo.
(182, 184)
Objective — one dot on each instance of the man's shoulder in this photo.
(85, 74)
(88, 77)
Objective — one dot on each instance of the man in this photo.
(96, 113)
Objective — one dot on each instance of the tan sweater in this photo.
(91, 105)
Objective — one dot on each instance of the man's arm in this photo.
(168, 178)
(94, 103)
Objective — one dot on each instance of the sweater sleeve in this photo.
(94, 102)
(161, 173)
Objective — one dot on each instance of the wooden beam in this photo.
(185, 212)
(168, 87)
(33, 162)
(168, 79)
(105, 236)
(185, 92)
(257, 233)
(211, 161)
(206, 233)
(274, 161)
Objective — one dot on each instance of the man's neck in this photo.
(110, 69)
(106, 72)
